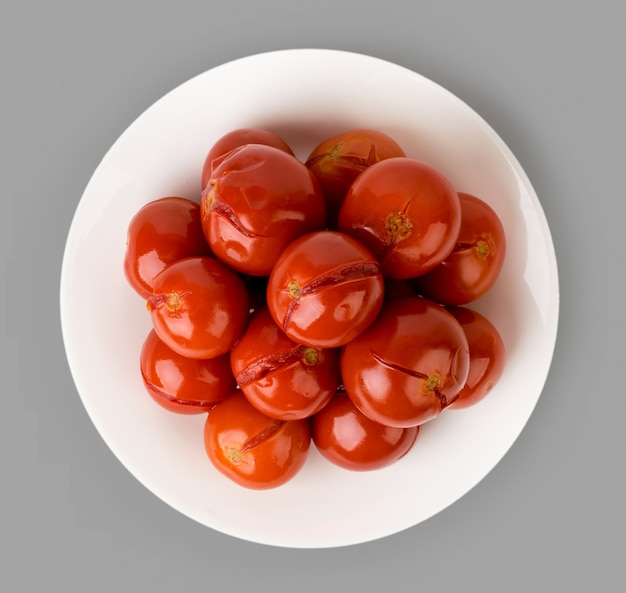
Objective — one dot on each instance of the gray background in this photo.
(547, 75)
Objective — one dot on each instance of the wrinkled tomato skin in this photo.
(325, 289)
(279, 377)
(349, 439)
(339, 160)
(180, 384)
(476, 260)
(408, 366)
(257, 201)
(161, 232)
(252, 449)
(199, 307)
(237, 138)
(487, 356)
(406, 213)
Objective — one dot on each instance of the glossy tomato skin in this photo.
(487, 356)
(252, 449)
(409, 365)
(406, 213)
(181, 384)
(279, 377)
(237, 138)
(325, 289)
(474, 264)
(257, 201)
(351, 440)
(161, 232)
(339, 160)
(199, 307)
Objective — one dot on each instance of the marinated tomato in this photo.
(406, 213)
(325, 289)
(280, 377)
(252, 449)
(199, 307)
(257, 201)
(409, 365)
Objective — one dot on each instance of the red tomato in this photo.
(199, 307)
(349, 439)
(409, 365)
(181, 384)
(325, 289)
(406, 213)
(281, 378)
(252, 449)
(338, 161)
(161, 232)
(476, 260)
(487, 356)
(257, 201)
(238, 138)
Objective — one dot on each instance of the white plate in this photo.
(304, 96)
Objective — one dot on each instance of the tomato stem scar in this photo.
(311, 356)
(480, 247)
(208, 197)
(398, 227)
(293, 290)
(172, 300)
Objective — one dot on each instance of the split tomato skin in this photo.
(351, 440)
(279, 377)
(199, 307)
(409, 365)
(476, 260)
(180, 384)
(237, 138)
(325, 289)
(487, 356)
(339, 160)
(161, 232)
(257, 201)
(406, 213)
(252, 449)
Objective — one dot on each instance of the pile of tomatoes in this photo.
(315, 302)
